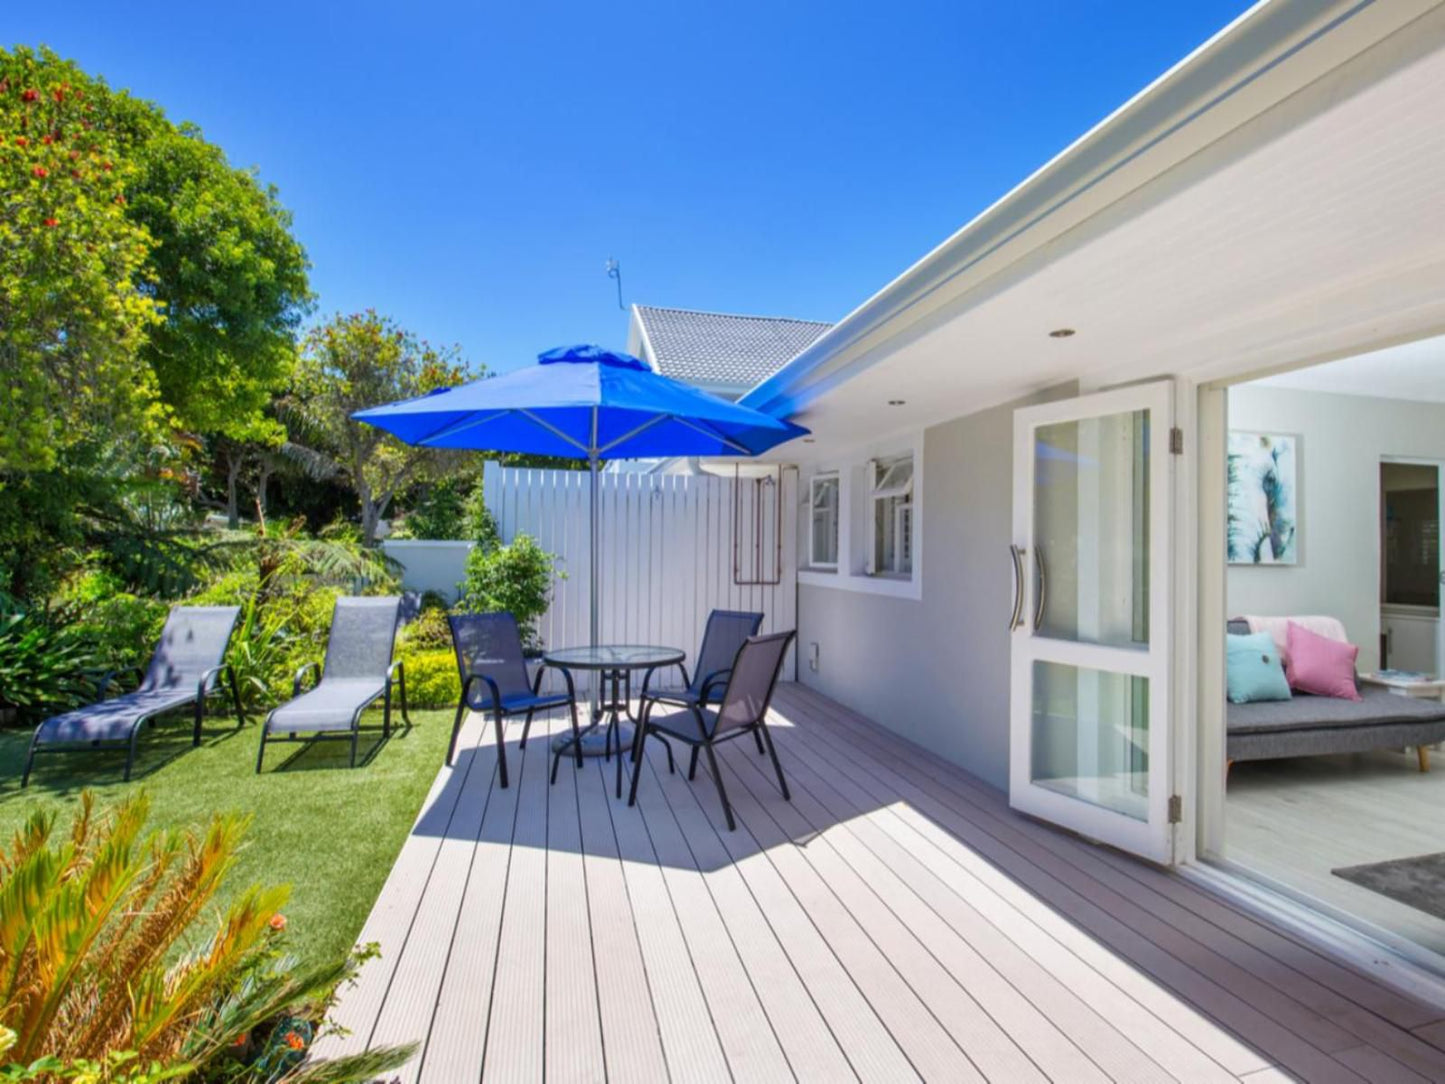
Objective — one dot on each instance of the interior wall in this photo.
(1342, 439)
(936, 669)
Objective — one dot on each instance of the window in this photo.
(823, 522)
(892, 498)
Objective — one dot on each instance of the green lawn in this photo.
(329, 831)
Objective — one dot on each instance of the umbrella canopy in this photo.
(582, 402)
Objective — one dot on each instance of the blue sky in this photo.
(468, 168)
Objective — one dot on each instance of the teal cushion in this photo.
(1255, 672)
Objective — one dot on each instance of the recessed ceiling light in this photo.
(1061, 333)
(895, 402)
(808, 440)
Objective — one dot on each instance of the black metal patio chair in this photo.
(357, 672)
(184, 670)
(493, 669)
(742, 710)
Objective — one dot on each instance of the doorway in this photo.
(1330, 801)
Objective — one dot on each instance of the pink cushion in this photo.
(1321, 666)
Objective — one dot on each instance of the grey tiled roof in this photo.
(719, 349)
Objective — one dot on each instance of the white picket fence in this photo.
(672, 548)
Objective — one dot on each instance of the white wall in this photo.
(429, 566)
(1342, 439)
(936, 668)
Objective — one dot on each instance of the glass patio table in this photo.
(611, 727)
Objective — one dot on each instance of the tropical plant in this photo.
(354, 362)
(516, 577)
(45, 666)
(99, 966)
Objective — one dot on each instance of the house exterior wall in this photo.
(1342, 439)
(935, 669)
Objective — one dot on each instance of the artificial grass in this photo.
(330, 831)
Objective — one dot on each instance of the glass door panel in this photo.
(1091, 646)
(1091, 529)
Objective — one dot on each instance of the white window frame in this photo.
(855, 536)
(825, 477)
(882, 486)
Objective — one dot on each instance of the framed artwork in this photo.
(1263, 498)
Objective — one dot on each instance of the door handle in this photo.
(1017, 553)
(1042, 600)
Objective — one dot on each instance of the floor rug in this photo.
(1417, 882)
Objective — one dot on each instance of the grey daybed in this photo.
(1309, 725)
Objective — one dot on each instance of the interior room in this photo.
(1335, 721)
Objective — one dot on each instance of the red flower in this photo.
(76, 174)
(278, 921)
(58, 95)
(21, 141)
(294, 1041)
(40, 171)
(107, 167)
(47, 140)
(52, 221)
(241, 1039)
(119, 199)
(31, 96)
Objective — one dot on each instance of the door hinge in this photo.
(1176, 441)
(1176, 809)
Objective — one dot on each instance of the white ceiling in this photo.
(1415, 371)
(1326, 237)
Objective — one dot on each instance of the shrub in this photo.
(516, 577)
(431, 679)
(95, 964)
(440, 512)
(45, 667)
(122, 627)
(428, 632)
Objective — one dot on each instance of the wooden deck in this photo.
(894, 921)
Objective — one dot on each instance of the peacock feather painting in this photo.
(1263, 499)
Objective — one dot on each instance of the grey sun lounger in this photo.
(183, 672)
(357, 672)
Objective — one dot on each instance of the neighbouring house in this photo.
(1017, 511)
(722, 353)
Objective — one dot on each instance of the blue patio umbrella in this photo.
(583, 402)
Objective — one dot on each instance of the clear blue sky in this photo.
(467, 167)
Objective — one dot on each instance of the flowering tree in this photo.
(350, 363)
(139, 266)
(73, 317)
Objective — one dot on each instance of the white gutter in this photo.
(1253, 63)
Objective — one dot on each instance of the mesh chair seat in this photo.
(513, 703)
(742, 710)
(332, 705)
(183, 671)
(112, 720)
(490, 654)
(358, 670)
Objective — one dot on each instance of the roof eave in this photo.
(1231, 78)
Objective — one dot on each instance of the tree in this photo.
(142, 277)
(72, 318)
(230, 277)
(350, 363)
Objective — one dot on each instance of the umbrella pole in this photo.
(592, 578)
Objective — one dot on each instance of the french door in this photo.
(1090, 624)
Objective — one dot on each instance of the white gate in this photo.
(672, 548)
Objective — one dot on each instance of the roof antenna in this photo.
(614, 271)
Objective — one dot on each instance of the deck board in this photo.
(895, 920)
